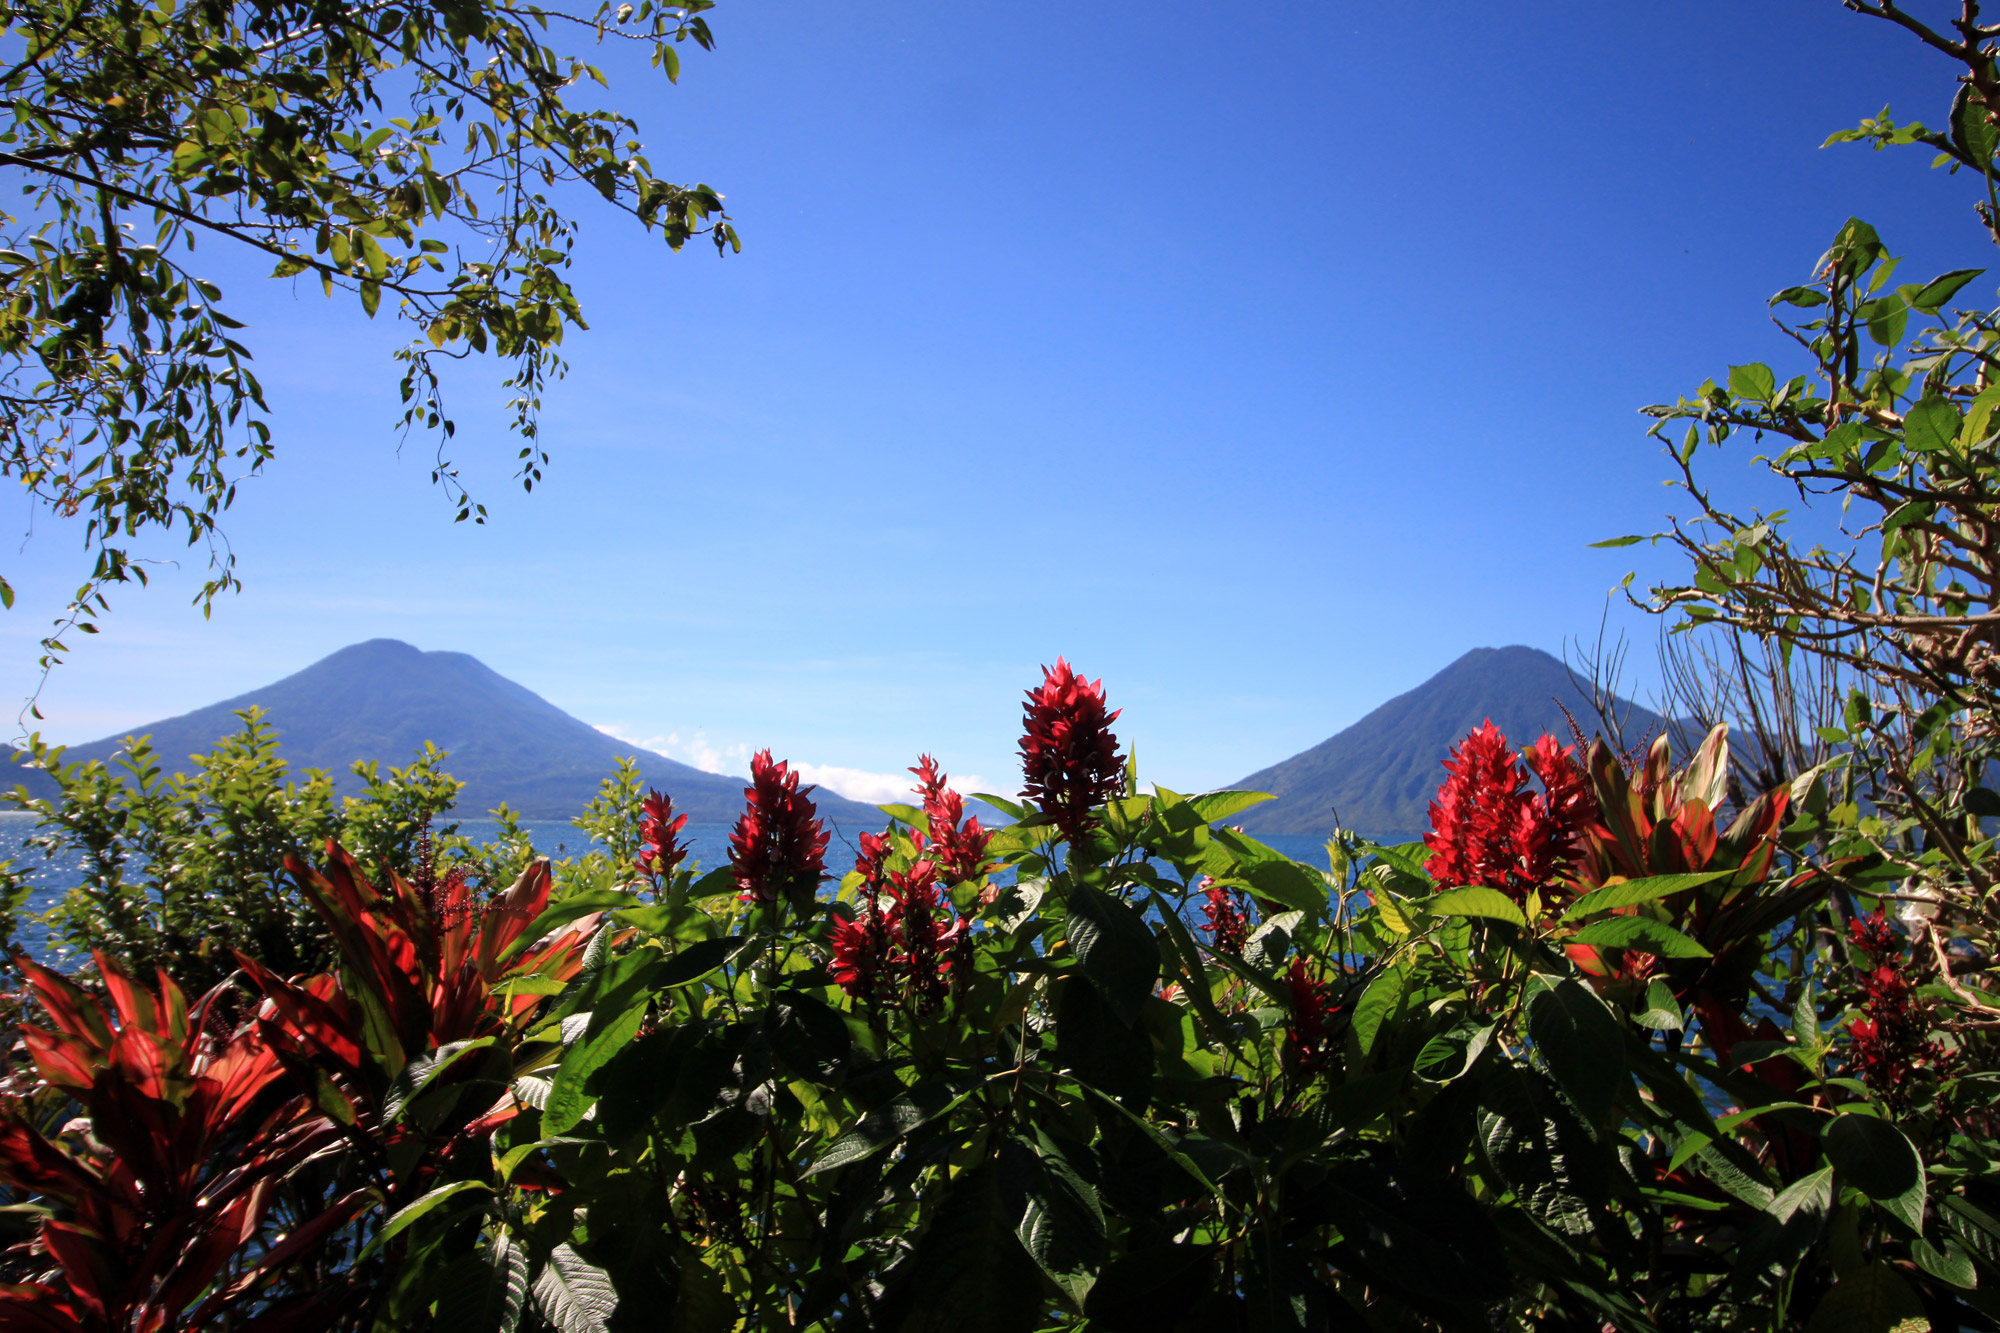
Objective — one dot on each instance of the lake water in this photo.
(709, 844)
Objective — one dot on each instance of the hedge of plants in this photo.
(1590, 1055)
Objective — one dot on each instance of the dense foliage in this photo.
(423, 154)
(1594, 1054)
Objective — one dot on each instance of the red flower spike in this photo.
(1490, 827)
(1223, 914)
(1069, 757)
(1889, 1042)
(1308, 1037)
(959, 843)
(660, 849)
(778, 848)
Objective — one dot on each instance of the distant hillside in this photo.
(1381, 773)
(383, 699)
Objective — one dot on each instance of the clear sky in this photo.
(1262, 360)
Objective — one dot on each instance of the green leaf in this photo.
(1641, 933)
(1977, 1228)
(1476, 900)
(567, 1099)
(808, 1035)
(1873, 1156)
(1947, 1263)
(969, 1273)
(1662, 1012)
(1114, 948)
(1452, 1052)
(1754, 382)
(1932, 426)
(1874, 1300)
(1383, 998)
(1942, 288)
(718, 881)
(421, 1206)
(1617, 541)
(1197, 989)
(423, 1071)
(1289, 884)
(1012, 809)
(1062, 1227)
(892, 1120)
(909, 814)
(697, 960)
(1971, 132)
(1782, 1235)
(1215, 805)
(1634, 891)
(1582, 1045)
(574, 1294)
(1559, 1172)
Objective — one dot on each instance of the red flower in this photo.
(1488, 824)
(660, 849)
(1224, 916)
(926, 958)
(959, 851)
(1308, 1038)
(1069, 758)
(903, 939)
(778, 847)
(1889, 1040)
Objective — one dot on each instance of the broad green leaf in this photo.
(1289, 884)
(1582, 1045)
(697, 960)
(909, 814)
(1942, 288)
(1383, 997)
(1454, 1051)
(1062, 1227)
(420, 1207)
(1198, 985)
(1114, 948)
(1874, 1300)
(1973, 1225)
(892, 1120)
(1476, 900)
(1782, 1235)
(1012, 809)
(1873, 1156)
(420, 1073)
(1633, 891)
(1754, 382)
(567, 1099)
(716, 882)
(574, 1294)
(969, 1273)
(1932, 426)
(1948, 1262)
(1641, 933)
(1662, 1012)
(1215, 805)
(1272, 940)
(1560, 1173)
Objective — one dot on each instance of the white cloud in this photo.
(856, 784)
(697, 749)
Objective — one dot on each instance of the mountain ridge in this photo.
(1378, 775)
(382, 699)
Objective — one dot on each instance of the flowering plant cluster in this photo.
(1113, 1063)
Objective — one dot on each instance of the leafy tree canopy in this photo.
(416, 154)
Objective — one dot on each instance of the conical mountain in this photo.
(383, 699)
(1378, 776)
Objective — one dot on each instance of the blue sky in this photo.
(1262, 361)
